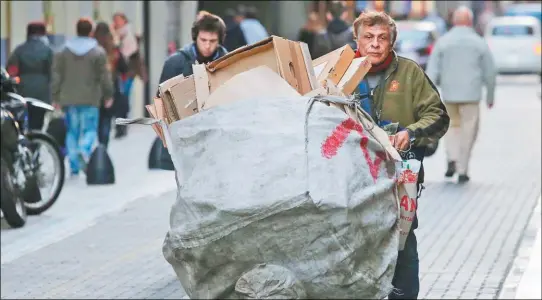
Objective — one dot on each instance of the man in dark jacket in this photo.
(208, 34)
(235, 37)
(32, 62)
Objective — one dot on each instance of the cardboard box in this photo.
(287, 58)
(333, 65)
(178, 98)
(353, 75)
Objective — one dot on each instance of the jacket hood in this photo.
(81, 45)
(188, 50)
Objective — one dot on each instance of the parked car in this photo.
(524, 9)
(415, 40)
(515, 44)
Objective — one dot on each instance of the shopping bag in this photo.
(407, 183)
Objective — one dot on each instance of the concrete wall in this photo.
(292, 16)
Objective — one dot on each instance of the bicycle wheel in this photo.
(43, 146)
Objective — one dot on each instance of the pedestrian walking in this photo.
(461, 64)
(208, 33)
(308, 34)
(130, 50)
(116, 65)
(338, 32)
(32, 62)
(80, 82)
(396, 90)
(252, 28)
(234, 35)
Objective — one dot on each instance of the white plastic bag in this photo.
(407, 181)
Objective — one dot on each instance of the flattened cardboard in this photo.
(202, 84)
(170, 107)
(336, 63)
(164, 86)
(159, 108)
(308, 65)
(354, 74)
(263, 81)
(157, 128)
(184, 97)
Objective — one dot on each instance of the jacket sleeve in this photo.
(434, 64)
(49, 66)
(13, 63)
(57, 75)
(432, 119)
(172, 67)
(489, 72)
(104, 75)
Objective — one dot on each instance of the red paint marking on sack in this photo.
(408, 204)
(331, 145)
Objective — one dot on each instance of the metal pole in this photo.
(147, 49)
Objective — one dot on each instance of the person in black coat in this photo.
(32, 62)
(234, 35)
(208, 33)
(117, 65)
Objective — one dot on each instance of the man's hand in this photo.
(402, 140)
(108, 103)
(56, 106)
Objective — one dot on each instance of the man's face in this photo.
(207, 43)
(118, 22)
(375, 43)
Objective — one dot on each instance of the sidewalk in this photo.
(525, 275)
(80, 205)
(529, 287)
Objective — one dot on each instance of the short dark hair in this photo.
(209, 23)
(36, 28)
(336, 9)
(84, 27)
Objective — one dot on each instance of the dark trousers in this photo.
(104, 126)
(36, 117)
(406, 279)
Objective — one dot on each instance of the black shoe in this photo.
(451, 169)
(462, 178)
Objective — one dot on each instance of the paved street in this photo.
(105, 242)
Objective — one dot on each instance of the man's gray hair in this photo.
(461, 12)
(372, 18)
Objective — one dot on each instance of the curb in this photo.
(511, 287)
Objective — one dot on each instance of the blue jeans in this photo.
(406, 279)
(82, 130)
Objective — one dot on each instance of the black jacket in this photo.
(181, 62)
(33, 59)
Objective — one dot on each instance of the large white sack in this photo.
(258, 183)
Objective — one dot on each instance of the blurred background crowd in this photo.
(164, 26)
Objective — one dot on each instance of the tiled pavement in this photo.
(468, 235)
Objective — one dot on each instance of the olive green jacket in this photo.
(407, 96)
